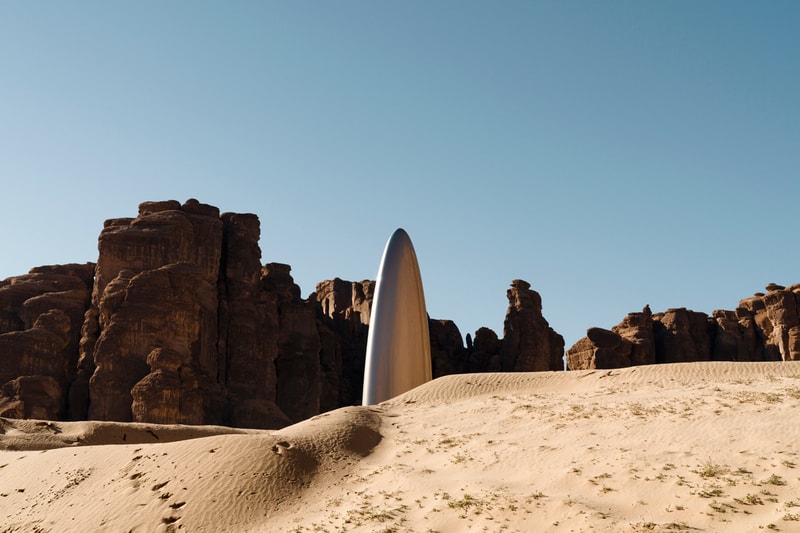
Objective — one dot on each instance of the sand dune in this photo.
(687, 447)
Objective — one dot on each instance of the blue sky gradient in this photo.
(613, 154)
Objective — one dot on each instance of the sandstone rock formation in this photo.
(765, 327)
(485, 353)
(298, 365)
(529, 343)
(448, 355)
(777, 319)
(179, 322)
(343, 309)
(176, 330)
(40, 323)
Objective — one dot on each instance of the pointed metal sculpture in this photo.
(398, 345)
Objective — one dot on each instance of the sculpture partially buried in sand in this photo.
(398, 344)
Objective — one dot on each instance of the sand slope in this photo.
(687, 447)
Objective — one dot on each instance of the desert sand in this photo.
(682, 447)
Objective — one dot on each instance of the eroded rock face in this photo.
(178, 322)
(737, 338)
(599, 349)
(765, 327)
(637, 346)
(682, 336)
(249, 319)
(156, 287)
(178, 330)
(343, 313)
(485, 353)
(448, 355)
(777, 318)
(171, 307)
(529, 343)
(40, 322)
(37, 396)
(298, 364)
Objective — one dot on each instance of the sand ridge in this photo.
(17, 434)
(684, 447)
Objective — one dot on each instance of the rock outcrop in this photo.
(177, 330)
(765, 327)
(529, 343)
(179, 322)
(40, 323)
(448, 355)
(298, 366)
(777, 319)
(343, 309)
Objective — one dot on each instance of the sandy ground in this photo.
(686, 447)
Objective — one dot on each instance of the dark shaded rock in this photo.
(40, 317)
(180, 280)
(37, 397)
(249, 328)
(171, 307)
(37, 352)
(486, 353)
(448, 355)
(178, 322)
(343, 312)
(298, 366)
(603, 338)
(637, 346)
(169, 393)
(601, 348)
(529, 343)
(736, 337)
(682, 336)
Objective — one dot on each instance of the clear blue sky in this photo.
(613, 154)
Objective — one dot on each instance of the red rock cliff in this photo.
(179, 322)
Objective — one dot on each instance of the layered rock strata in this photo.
(176, 330)
(765, 327)
(40, 323)
(529, 343)
(343, 311)
(179, 322)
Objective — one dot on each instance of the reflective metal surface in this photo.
(398, 346)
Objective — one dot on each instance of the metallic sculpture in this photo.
(398, 345)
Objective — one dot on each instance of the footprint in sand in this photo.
(280, 447)
(176, 507)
